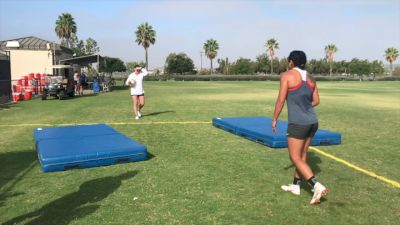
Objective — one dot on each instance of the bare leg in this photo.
(135, 101)
(141, 102)
(303, 155)
(296, 148)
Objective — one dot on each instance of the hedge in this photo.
(253, 78)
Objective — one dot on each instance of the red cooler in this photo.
(28, 95)
(25, 80)
(17, 88)
(16, 96)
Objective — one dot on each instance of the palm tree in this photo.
(210, 47)
(271, 45)
(391, 55)
(65, 28)
(145, 36)
(330, 51)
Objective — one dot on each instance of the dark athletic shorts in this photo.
(301, 132)
(138, 95)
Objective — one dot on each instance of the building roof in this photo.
(34, 43)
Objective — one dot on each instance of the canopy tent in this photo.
(82, 60)
(55, 67)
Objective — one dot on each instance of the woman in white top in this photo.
(135, 81)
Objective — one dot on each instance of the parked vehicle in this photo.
(59, 86)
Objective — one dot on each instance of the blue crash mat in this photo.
(259, 129)
(72, 147)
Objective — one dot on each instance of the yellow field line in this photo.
(371, 174)
(115, 123)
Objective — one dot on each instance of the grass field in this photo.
(199, 174)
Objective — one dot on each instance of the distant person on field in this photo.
(135, 81)
(301, 93)
(82, 82)
(76, 82)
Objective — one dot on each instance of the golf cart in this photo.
(60, 84)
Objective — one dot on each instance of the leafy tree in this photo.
(81, 48)
(145, 36)
(179, 64)
(376, 67)
(282, 65)
(359, 67)
(131, 65)
(91, 47)
(223, 66)
(78, 46)
(391, 55)
(262, 64)
(65, 28)
(330, 51)
(110, 65)
(243, 66)
(272, 45)
(396, 71)
(211, 49)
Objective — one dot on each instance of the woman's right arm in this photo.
(128, 80)
(280, 101)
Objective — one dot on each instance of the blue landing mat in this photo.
(85, 146)
(259, 129)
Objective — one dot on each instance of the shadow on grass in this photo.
(74, 205)
(14, 166)
(9, 105)
(115, 88)
(313, 160)
(158, 113)
(150, 156)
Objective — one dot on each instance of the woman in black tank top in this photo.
(301, 97)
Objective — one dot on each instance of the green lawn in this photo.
(199, 174)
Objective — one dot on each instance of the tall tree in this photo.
(272, 45)
(145, 36)
(65, 28)
(179, 64)
(211, 49)
(110, 65)
(330, 51)
(391, 55)
(82, 48)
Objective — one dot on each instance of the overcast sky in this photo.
(362, 29)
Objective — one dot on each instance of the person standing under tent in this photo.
(135, 81)
(300, 91)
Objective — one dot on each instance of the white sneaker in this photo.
(319, 191)
(136, 117)
(139, 114)
(295, 189)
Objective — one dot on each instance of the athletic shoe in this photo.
(319, 191)
(295, 189)
(136, 117)
(139, 114)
